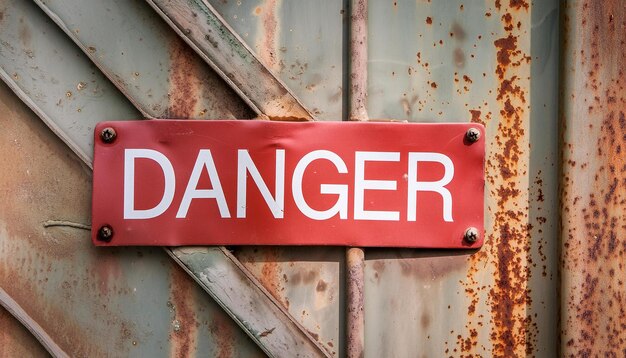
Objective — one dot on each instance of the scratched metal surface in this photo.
(593, 184)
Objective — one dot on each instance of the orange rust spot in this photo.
(267, 43)
(507, 46)
(321, 286)
(476, 116)
(429, 20)
(518, 4)
(183, 74)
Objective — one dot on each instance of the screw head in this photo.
(108, 135)
(105, 233)
(472, 135)
(471, 235)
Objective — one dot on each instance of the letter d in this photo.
(129, 183)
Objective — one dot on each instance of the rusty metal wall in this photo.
(594, 179)
(490, 61)
(494, 62)
(91, 302)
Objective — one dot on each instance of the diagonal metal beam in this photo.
(74, 122)
(263, 320)
(147, 62)
(199, 24)
(22, 316)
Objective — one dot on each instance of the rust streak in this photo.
(184, 330)
(267, 44)
(183, 95)
(221, 327)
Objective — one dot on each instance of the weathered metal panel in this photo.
(146, 60)
(493, 62)
(277, 336)
(594, 179)
(308, 282)
(304, 43)
(53, 115)
(320, 87)
(454, 61)
(35, 62)
(472, 61)
(206, 32)
(16, 340)
(91, 302)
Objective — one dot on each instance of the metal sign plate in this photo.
(172, 182)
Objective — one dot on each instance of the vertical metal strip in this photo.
(593, 181)
(355, 257)
(358, 60)
(355, 317)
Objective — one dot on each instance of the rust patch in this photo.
(476, 116)
(425, 320)
(183, 95)
(507, 245)
(271, 273)
(429, 20)
(321, 286)
(184, 330)
(518, 4)
(267, 43)
(221, 327)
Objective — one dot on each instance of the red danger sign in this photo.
(170, 183)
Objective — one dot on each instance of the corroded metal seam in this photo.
(355, 256)
(593, 180)
(18, 312)
(204, 30)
